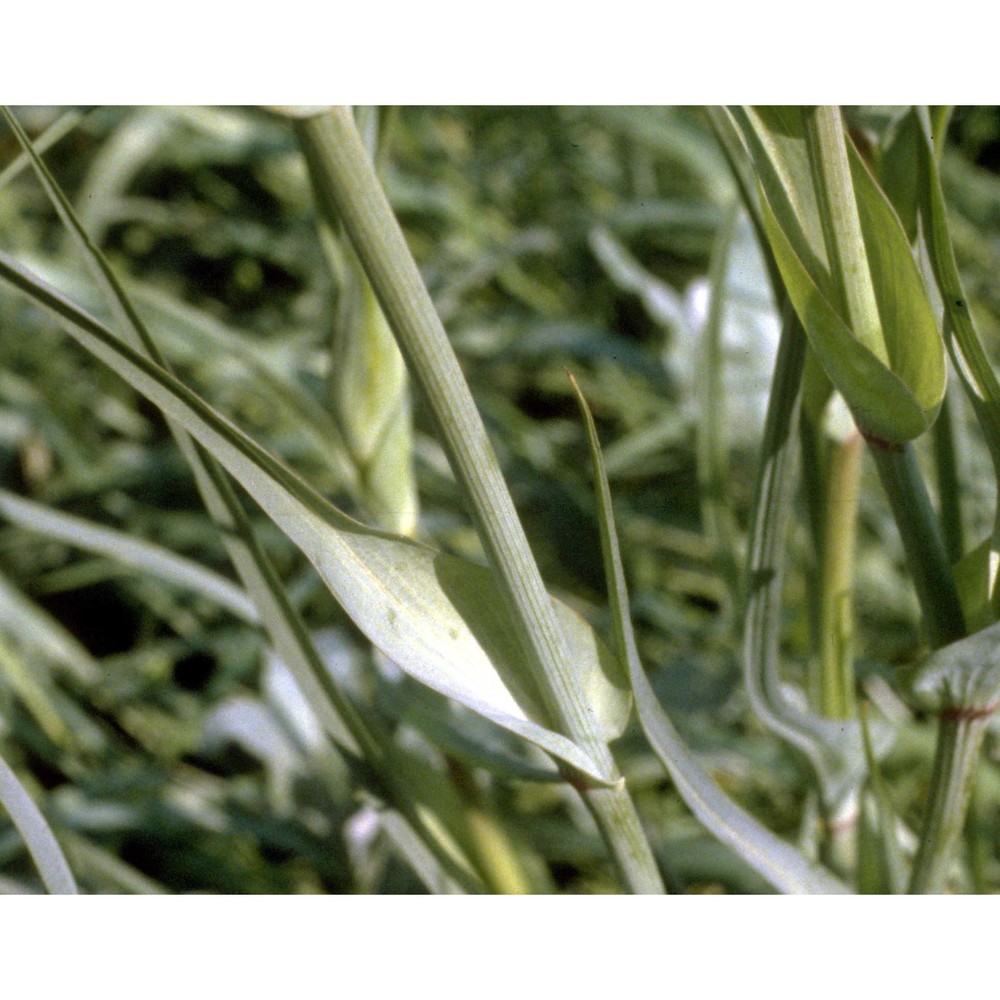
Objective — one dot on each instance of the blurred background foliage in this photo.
(166, 745)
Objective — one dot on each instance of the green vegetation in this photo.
(320, 575)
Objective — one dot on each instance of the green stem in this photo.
(959, 738)
(921, 535)
(979, 847)
(711, 438)
(836, 680)
(345, 175)
(959, 742)
(845, 245)
(814, 449)
(949, 488)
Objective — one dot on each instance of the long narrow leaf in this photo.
(35, 630)
(60, 128)
(284, 625)
(885, 355)
(438, 617)
(128, 551)
(38, 836)
(777, 861)
(285, 628)
(973, 366)
(36, 690)
(712, 441)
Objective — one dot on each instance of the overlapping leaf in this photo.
(893, 382)
(438, 617)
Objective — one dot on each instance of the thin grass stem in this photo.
(346, 176)
(836, 682)
(717, 515)
(923, 545)
(949, 488)
(960, 739)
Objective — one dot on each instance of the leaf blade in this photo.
(776, 860)
(37, 834)
(366, 570)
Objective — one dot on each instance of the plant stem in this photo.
(845, 245)
(345, 175)
(959, 742)
(948, 482)
(959, 739)
(919, 528)
(921, 535)
(836, 680)
(716, 513)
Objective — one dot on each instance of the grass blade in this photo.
(970, 360)
(777, 861)
(38, 836)
(286, 630)
(35, 630)
(717, 515)
(346, 178)
(833, 746)
(412, 602)
(128, 551)
(60, 128)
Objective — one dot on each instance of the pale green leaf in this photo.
(128, 551)
(882, 404)
(38, 837)
(912, 336)
(775, 139)
(777, 861)
(893, 377)
(963, 678)
(897, 176)
(408, 599)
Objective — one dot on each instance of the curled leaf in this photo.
(893, 377)
(962, 679)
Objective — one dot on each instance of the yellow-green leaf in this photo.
(882, 404)
(893, 375)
